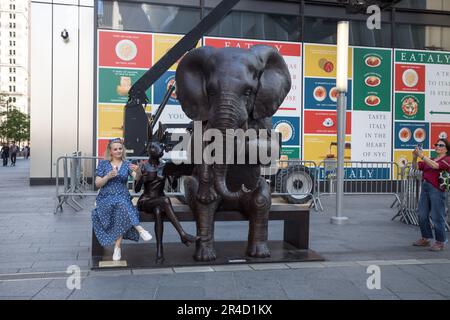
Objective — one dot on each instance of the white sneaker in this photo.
(145, 235)
(117, 254)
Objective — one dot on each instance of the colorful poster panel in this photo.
(320, 61)
(289, 127)
(324, 122)
(124, 49)
(162, 85)
(438, 131)
(110, 121)
(318, 148)
(407, 135)
(322, 94)
(101, 147)
(372, 79)
(373, 139)
(290, 153)
(409, 106)
(402, 158)
(172, 114)
(163, 43)
(438, 93)
(291, 53)
(114, 84)
(409, 77)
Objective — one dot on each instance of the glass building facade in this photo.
(304, 21)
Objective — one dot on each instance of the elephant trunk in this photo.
(227, 117)
(220, 184)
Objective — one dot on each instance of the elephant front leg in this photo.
(204, 218)
(204, 249)
(258, 211)
(206, 193)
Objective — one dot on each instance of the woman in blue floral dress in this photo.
(115, 218)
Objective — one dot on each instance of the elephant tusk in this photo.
(245, 189)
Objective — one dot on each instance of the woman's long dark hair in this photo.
(447, 145)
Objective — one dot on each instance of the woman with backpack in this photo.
(432, 196)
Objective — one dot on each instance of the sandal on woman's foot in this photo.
(437, 246)
(187, 239)
(145, 235)
(421, 243)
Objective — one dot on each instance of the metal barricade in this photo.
(296, 181)
(409, 196)
(361, 178)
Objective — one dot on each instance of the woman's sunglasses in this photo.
(440, 145)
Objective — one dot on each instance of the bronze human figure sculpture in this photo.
(231, 88)
(154, 201)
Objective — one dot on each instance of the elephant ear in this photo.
(274, 81)
(191, 85)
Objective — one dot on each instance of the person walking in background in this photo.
(25, 152)
(432, 198)
(5, 154)
(13, 152)
(115, 218)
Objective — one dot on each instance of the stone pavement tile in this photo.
(268, 266)
(102, 288)
(236, 267)
(298, 265)
(359, 276)
(181, 279)
(110, 272)
(132, 293)
(220, 285)
(53, 294)
(18, 265)
(45, 269)
(21, 288)
(258, 285)
(382, 297)
(152, 271)
(418, 272)
(375, 262)
(406, 262)
(327, 289)
(63, 249)
(440, 270)
(331, 264)
(439, 286)
(38, 257)
(193, 269)
(420, 296)
(435, 261)
(63, 264)
(8, 270)
(398, 281)
(180, 293)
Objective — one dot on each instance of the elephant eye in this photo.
(211, 93)
(248, 92)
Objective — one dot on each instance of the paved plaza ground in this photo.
(37, 246)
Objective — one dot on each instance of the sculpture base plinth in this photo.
(143, 255)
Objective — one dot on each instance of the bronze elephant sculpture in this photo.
(231, 88)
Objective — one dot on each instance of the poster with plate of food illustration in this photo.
(409, 134)
(372, 79)
(320, 101)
